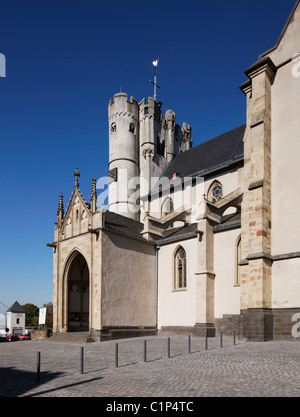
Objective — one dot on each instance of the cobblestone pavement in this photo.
(245, 370)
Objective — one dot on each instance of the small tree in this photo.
(49, 315)
(35, 322)
(31, 312)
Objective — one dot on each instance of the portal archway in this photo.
(78, 294)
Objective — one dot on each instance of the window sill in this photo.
(179, 289)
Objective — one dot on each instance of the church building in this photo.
(195, 240)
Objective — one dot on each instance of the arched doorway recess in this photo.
(78, 294)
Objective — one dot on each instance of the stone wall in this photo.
(283, 324)
(261, 325)
(38, 334)
(228, 324)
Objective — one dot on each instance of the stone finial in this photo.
(76, 175)
(60, 210)
(93, 197)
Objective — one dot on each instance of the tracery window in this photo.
(215, 192)
(180, 269)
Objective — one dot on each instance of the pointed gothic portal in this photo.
(78, 295)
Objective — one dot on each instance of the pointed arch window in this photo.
(238, 256)
(167, 207)
(215, 192)
(180, 281)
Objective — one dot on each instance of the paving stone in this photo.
(269, 369)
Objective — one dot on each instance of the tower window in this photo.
(131, 127)
(113, 127)
(160, 147)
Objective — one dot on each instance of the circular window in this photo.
(217, 193)
(182, 254)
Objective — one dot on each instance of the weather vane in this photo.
(155, 64)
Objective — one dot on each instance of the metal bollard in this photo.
(81, 360)
(145, 350)
(206, 341)
(234, 337)
(221, 339)
(189, 344)
(38, 367)
(169, 347)
(116, 355)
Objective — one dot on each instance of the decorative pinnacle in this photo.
(76, 175)
(94, 196)
(60, 209)
(94, 192)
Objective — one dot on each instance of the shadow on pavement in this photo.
(14, 383)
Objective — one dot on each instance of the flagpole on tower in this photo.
(155, 64)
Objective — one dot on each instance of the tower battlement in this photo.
(150, 108)
(119, 105)
(122, 96)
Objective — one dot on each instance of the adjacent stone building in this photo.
(195, 240)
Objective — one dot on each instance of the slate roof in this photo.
(122, 224)
(216, 153)
(132, 228)
(178, 233)
(16, 308)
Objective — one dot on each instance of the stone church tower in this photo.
(142, 141)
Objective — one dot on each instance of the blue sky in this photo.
(65, 59)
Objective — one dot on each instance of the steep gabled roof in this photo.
(214, 154)
(16, 308)
(76, 193)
